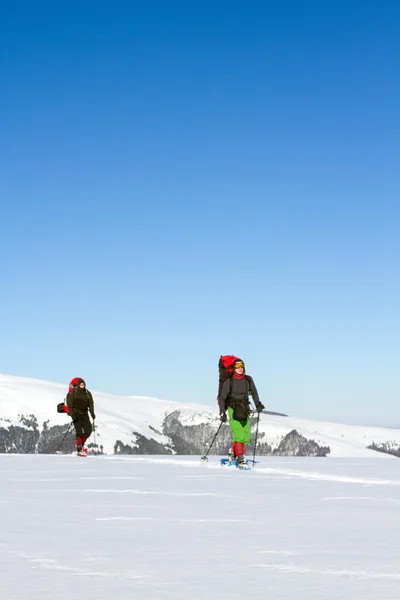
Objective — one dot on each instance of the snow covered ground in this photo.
(158, 528)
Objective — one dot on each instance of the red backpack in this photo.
(225, 366)
(62, 407)
(73, 383)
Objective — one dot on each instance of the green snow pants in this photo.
(240, 429)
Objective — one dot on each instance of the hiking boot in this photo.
(242, 462)
(231, 456)
(84, 451)
(79, 450)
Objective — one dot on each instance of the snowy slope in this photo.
(118, 417)
(343, 440)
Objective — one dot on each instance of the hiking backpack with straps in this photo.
(62, 406)
(226, 369)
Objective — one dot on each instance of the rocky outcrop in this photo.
(21, 437)
(59, 438)
(392, 448)
(187, 433)
(294, 444)
(141, 445)
(196, 438)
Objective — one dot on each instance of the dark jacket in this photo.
(236, 391)
(79, 401)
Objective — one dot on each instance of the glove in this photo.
(93, 417)
(73, 415)
(222, 417)
(260, 407)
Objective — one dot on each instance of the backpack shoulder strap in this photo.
(230, 385)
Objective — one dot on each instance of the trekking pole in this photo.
(65, 435)
(94, 435)
(204, 458)
(255, 443)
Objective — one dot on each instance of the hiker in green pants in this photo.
(234, 398)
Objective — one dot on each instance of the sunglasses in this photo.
(239, 366)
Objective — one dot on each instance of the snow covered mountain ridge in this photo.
(29, 423)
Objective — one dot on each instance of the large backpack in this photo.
(225, 367)
(73, 383)
(62, 406)
(226, 370)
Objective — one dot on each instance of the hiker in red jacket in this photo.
(80, 403)
(234, 398)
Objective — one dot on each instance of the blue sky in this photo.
(184, 180)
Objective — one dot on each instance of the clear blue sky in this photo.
(181, 180)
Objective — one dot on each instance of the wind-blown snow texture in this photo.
(142, 425)
(171, 528)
